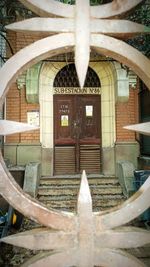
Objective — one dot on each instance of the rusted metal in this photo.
(48, 8)
(43, 239)
(85, 244)
(121, 29)
(83, 25)
(40, 49)
(142, 128)
(51, 7)
(122, 52)
(128, 211)
(82, 48)
(85, 230)
(11, 127)
(86, 238)
(63, 43)
(114, 9)
(28, 206)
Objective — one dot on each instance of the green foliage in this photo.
(12, 10)
(141, 15)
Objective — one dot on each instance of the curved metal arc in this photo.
(128, 211)
(58, 259)
(51, 7)
(62, 42)
(114, 9)
(28, 206)
(142, 128)
(30, 55)
(11, 127)
(116, 257)
(122, 29)
(48, 8)
(122, 237)
(42, 239)
(40, 25)
(118, 28)
(123, 53)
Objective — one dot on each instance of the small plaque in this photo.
(64, 120)
(89, 111)
(33, 118)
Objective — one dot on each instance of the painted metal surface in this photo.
(90, 240)
(117, 28)
(85, 238)
(142, 128)
(52, 7)
(64, 43)
(83, 25)
(11, 127)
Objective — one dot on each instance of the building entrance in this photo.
(77, 134)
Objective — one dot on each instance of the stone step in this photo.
(71, 204)
(61, 192)
(74, 198)
(76, 180)
(73, 190)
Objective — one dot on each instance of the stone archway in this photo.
(109, 77)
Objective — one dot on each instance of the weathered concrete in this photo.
(47, 161)
(22, 154)
(27, 153)
(108, 155)
(32, 178)
(127, 151)
(125, 173)
(122, 84)
(10, 153)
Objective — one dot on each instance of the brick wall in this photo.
(16, 109)
(11, 36)
(20, 40)
(16, 105)
(12, 110)
(127, 113)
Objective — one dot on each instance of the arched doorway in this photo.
(107, 75)
(77, 124)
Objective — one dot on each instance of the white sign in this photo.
(89, 111)
(33, 118)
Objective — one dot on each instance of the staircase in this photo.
(61, 192)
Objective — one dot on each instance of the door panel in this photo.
(63, 118)
(77, 129)
(89, 114)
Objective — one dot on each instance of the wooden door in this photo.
(76, 134)
(64, 116)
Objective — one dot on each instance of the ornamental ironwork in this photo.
(84, 238)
